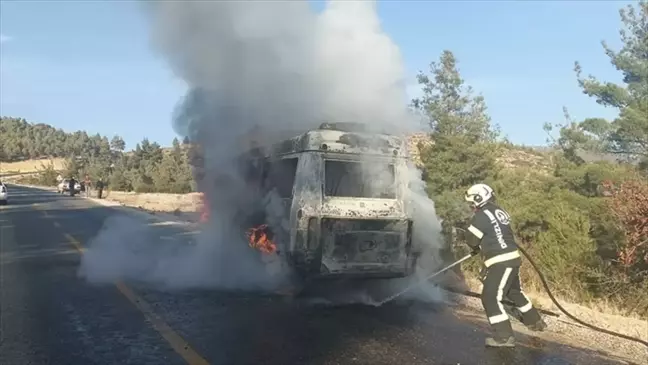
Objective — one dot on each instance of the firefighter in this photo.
(490, 233)
(72, 186)
(100, 187)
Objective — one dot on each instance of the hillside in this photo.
(511, 156)
(30, 166)
(22, 140)
(19, 131)
(542, 158)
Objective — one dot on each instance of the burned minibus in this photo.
(338, 203)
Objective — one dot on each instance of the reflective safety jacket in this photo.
(490, 228)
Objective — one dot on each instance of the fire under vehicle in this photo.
(342, 196)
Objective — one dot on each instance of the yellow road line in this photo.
(179, 345)
(74, 242)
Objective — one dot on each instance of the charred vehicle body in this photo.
(339, 203)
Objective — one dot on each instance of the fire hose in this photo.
(553, 299)
(544, 283)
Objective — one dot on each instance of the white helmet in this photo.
(479, 194)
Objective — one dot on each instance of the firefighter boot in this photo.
(502, 335)
(533, 321)
(538, 326)
(493, 342)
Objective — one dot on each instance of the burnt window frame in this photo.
(269, 175)
(252, 170)
(393, 164)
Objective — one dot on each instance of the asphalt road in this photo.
(51, 316)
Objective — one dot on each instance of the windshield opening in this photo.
(282, 176)
(359, 179)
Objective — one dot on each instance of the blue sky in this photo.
(88, 64)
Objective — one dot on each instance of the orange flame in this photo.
(258, 238)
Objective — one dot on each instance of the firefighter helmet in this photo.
(479, 194)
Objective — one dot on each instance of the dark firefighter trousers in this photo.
(501, 282)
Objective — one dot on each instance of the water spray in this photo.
(389, 299)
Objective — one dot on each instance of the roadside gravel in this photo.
(564, 330)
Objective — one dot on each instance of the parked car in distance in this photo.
(64, 186)
(4, 194)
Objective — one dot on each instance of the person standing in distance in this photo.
(490, 233)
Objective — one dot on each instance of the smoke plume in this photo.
(277, 69)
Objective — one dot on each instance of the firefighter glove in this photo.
(482, 273)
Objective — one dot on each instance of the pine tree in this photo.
(463, 150)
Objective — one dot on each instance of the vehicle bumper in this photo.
(357, 248)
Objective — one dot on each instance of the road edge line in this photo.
(178, 344)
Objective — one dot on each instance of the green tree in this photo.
(117, 144)
(23, 140)
(120, 177)
(627, 135)
(149, 168)
(463, 151)
(72, 167)
(47, 175)
(173, 173)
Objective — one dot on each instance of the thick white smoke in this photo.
(279, 68)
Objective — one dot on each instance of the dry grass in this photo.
(564, 330)
(158, 202)
(511, 157)
(597, 313)
(514, 158)
(31, 165)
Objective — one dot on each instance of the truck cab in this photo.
(338, 203)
